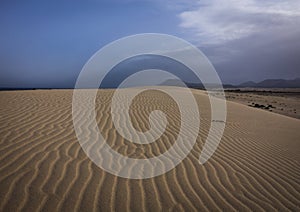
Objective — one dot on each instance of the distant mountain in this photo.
(175, 82)
(248, 84)
(268, 83)
(273, 83)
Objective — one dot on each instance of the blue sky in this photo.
(46, 43)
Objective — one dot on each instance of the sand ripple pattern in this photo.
(43, 168)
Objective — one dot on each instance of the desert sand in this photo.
(285, 101)
(42, 166)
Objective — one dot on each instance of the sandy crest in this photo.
(42, 166)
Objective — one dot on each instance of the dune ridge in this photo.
(42, 166)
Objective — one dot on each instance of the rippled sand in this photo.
(42, 166)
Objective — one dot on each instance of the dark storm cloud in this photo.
(270, 55)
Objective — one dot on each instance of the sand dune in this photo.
(42, 166)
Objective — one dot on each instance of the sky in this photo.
(45, 43)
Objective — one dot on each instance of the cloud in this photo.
(219, 21)
(257, 57)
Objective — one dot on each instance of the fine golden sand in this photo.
(42, 166)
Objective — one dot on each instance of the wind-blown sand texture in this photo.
(42, 166)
